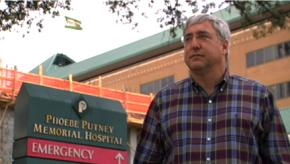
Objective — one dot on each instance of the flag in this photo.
(73, 23)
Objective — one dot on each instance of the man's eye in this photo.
(203, 36)
(187, 38)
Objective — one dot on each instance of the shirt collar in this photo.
(220, 85)
(226, 77)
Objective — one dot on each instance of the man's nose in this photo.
(195, 43)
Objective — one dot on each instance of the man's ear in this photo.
(225, 47)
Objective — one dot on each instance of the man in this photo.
(212, 117)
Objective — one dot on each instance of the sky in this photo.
(100, 34)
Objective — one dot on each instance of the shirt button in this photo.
(209, 119)
(221, 89)
(210, 101)
(208, 139)
(208, 158)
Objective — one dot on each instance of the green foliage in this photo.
(169, 13)
(173, 13)
(272, 15)
(18, 13)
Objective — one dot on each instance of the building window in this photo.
(268, 54)
(251, 59)
(271, 53)
(288, 89)
(157, 85)
(281, 90)
(287, 48)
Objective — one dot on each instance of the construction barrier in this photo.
(11, 81)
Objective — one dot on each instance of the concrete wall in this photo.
(133, 135)
(6, 136)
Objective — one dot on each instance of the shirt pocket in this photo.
(246, 120)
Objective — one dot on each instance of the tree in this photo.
(19, 12)
(173, 14)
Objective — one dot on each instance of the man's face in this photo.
(204, 51)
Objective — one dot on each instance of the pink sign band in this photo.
(74, 152)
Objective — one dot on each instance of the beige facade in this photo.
(131, 78)
(268, 73)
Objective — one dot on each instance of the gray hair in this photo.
(220, 25)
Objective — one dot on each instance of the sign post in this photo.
(56, 126)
